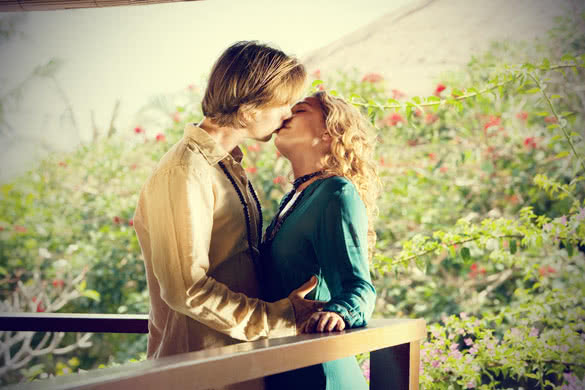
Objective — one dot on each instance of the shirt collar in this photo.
(209, 148)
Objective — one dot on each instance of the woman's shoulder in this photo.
(338, 187)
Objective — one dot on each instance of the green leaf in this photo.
(316, 83)
(562, 154)
(513, 247)
(532, 90)
(465, 254)
(569, 249)
(555, 97)
(92, 294)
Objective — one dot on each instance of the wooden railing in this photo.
(394, 360)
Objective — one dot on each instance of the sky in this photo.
(136, 52)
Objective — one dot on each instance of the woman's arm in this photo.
(341, 246)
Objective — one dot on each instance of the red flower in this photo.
(522, 115)
(278, 180)
(432, 156)
(176, 117)
(278, 154)
(382, 162)
(251, 169)
(58, 283)
(117, 219)
(191, 87)
(530, 142)
(133, 166)
(130, 222)
(160, 137)
(254, 148)
(321, 87)
(431, 118)
(397, 94)
(393, 119)
(138, 130)
(550, 119)
(316, 74)
(440, 88)
(20, 229)
(492, 121)
(372, 78)
(443, 169)
(546, 270)
(1, 228)
(62, 164)
(40, 308)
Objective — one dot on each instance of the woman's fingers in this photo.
(324, 320)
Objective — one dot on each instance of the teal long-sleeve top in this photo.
(324, 235)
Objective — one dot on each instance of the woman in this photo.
(324, 228)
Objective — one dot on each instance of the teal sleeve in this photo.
(342, 251)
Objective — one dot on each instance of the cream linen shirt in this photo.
(192, 230)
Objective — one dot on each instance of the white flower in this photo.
(44, 253)
(71, 248)
(60, 264)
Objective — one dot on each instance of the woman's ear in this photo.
(326, 137)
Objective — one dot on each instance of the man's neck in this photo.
(228, 137)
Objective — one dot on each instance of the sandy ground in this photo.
(413, 46)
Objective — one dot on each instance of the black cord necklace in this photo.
(246, 211)
(278, 222)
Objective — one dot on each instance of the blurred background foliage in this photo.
(480, 228)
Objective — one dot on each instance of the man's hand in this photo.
(323, 321)
(304, 307)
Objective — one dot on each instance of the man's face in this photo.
(267, 121)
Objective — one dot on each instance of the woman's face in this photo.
(304, 131)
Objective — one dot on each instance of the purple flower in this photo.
(473, 350)
(455, 354)
(435, 363)
(547, 227)
(562, 220)
(581, 216)
(454, 347)
(533, 332)
(470, 384)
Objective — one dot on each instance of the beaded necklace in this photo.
(278, 222)
(246, 211)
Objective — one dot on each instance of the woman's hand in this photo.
(323, 321)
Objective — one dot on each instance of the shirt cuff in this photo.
(281, 315)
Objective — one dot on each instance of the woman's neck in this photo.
(306, 167)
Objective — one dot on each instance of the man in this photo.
(198, 219)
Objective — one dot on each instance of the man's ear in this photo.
(247, 113)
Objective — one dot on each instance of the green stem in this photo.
(558, 118)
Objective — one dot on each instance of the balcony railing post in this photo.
(396, 367)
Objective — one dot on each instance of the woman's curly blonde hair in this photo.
(352, 153)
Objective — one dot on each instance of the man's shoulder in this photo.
(183, 157)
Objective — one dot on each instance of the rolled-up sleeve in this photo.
(180, 204)
(341, 245)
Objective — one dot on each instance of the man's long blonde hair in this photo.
(352, 153)
(250, 76)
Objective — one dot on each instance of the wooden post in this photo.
(396, 367)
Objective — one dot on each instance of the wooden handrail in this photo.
(73, 322)
(48, 5)
(394, 362)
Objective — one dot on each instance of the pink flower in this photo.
(62, 164)
(443, 169)
(160, 137)
(58, 283)
(176, 117)
(470, 384)
(431, 118)
(316, 74)
(138, 130)
(464, 315)
(130, 222)
(440, 88)
(492, 121)
(20, 229)
(530, 142)
(191, 87)
(533, 332)
(468, 341)
(432, 156)
(254, 148)
(372, 78)
(435, 363)
(278, 180)
(321, 87)
(473, 350)
(397, 94)
(522, 115)
(393, 119)
(550, 119)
